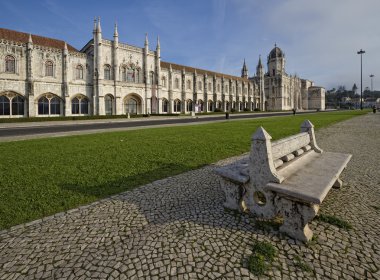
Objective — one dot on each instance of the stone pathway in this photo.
(176, 228)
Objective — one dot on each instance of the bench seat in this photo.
(310, 177)
(236, 172)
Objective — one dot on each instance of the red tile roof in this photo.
(22, 37)
(200, 71)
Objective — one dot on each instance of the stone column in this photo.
(205, 93)
(183, 91)
(170, 83)
(29, 94)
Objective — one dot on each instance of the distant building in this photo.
(41, 76)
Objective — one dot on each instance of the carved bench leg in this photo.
(338, 184)
(233, 194)
(296, 218)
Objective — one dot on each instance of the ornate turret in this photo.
(116, 33)
(244, 71)
(158, 47)
(146, 43)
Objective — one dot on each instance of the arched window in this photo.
(49, 71)
(79, 105)
(43, 106)
(199, 85)
(163, 81)
(233, 89)
(226, 89)
(188, 86)
(189, 105)
(124, 74)
(151, 77)
(209, 86)
(138, 75)
(240, 106)
(10, 64)
(18, 105)
(55, 106)
(227, 106)
(108, 104)
(79, 72)
(4, 106)
(49, 105)
(210, 105)
(165, 105)
(176, 83)
(130, 75)
(107, 72)
(218, 86)
(177, 106)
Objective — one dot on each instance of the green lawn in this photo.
(45, 176)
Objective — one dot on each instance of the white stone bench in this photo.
(288, 178)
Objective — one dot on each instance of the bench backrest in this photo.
(266, 156)
(288, 145)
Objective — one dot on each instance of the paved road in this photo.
(176, 228)
(27, 129)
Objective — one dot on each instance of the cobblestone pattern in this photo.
(176, 228)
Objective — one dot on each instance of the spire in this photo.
(244, 71)
(30, 41)
(146, 40)
(115, 33)
(158, 43)
(95, 25)
(260, 64)
(65, 50)
(99, 28)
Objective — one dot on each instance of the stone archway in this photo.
(132, 104)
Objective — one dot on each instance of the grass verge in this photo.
(41, 177)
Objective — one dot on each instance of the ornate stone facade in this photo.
(46, 77)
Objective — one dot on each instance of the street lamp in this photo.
(361, 78)
(371, 76)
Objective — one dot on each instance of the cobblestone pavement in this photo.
(176, 228)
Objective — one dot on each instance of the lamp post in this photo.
(371, 76)
(361, 78)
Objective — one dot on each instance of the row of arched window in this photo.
(127, 74)
(47, 105)
(200, 86)
(189, 105)
(10, 67)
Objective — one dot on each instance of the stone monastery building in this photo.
(41, 76)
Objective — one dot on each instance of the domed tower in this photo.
(276, 62)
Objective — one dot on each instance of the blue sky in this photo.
(320, 38)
